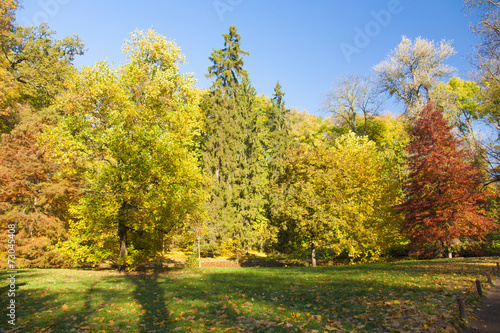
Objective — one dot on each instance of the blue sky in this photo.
(303, 44)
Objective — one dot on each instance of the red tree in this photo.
(32, 197)
(445, 196)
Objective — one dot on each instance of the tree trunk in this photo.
(122, 234)
(313, 253)
(199, 253)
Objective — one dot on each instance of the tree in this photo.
(461, 102)
(412, 69)
(252, 172)
(32, 195)
(339, 198)
(7, 16)
(233, 157)
(487, 61)
(279, 132)
(309, 129)
(129, 132)
(488, 31)
(444, 192)
(352, 96)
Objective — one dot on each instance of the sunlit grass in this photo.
(388, 297)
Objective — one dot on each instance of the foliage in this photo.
(32, 196)
(129, 134)
(412, 69)
(34, 68)
(233, 149)
(445, 198)
(390, 297)
(340, 198)
(461, 102)
(306, 128)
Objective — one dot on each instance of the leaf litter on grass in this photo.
(414, 296)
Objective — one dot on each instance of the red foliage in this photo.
(445, 196)
(31, 196)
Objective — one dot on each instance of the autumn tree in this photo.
(339, 198)
(444, 193)
(352, 100)
(411, 70)
(32, 195)
(462, 104)
(306, 128)
(7, 28)
(129, 132)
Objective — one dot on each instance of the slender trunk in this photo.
(122, 234)
(354, 128)
(199, 253)
(313, 253)
(366, 120)
(163, 246)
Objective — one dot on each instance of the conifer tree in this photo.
(252, 171)
(279, 132)
(232, 148)
(444, 193)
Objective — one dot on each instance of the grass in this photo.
(388, 297)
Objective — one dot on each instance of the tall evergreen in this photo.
(278, 142)
(279, 132)
(252, 171)
(232, 147)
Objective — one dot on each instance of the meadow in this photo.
(404, 296)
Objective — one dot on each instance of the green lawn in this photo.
(387, 297)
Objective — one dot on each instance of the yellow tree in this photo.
(130, 133)
(340, 198)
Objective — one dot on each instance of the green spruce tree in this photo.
(224, 143)
(252, 170)
(278, 142)
(279, 133)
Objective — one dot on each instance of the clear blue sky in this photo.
(297, 42)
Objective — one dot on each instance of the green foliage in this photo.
(233, 150)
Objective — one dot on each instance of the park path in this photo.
(488, 318)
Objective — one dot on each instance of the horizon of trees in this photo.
(121, 164)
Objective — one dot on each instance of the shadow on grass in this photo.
(236, 299)
(150, 294)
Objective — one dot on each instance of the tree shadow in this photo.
(150, 294)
